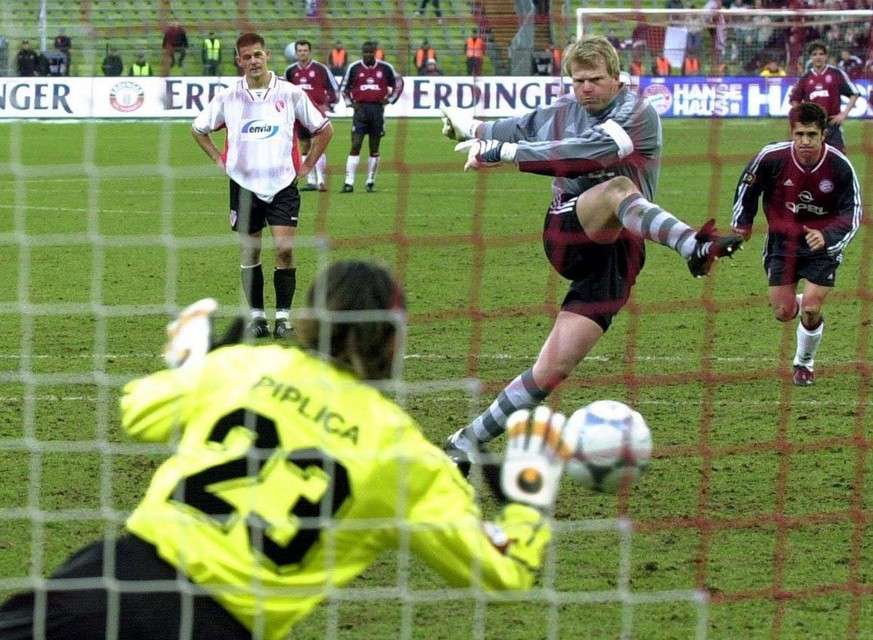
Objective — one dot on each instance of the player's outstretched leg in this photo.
(710, 247)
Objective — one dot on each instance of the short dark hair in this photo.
(303, 43)
(364, 345)
(816, 45)
(808, 113)
(249, 39)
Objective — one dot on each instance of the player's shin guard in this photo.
(650, 222)
(808, 340)
(253, 285)
(311, 176)
(321, 170)
(285, 283)
(521, 393)
(372, 167)
(352, 168)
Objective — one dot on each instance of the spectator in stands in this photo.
(691, 64)
(474, 52)
(825, 84)
(557, 56)
(431, 68)
(543, 62)
(851, 64)
(141, 66)
(27, 61)
(175, 46)
(211, 54)
(424, 53)
(55, 63)
(661, 65)
(694, 29)
(436, 8)
(368, 85)
(112, 64)
(614, 40)
(338, 59)
(64, 44)
(772, 69)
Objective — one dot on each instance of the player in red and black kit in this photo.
(319, 84)
(812, 201)
(825, 84)
(368, 85)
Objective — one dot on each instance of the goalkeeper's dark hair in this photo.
(364, 346)
(807, 113)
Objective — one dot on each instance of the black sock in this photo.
(285, 283)
(253, 286)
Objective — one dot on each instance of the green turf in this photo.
(759, 494)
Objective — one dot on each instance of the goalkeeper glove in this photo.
(189, 336)
(487, 153)
(457, 125)
(535, 457)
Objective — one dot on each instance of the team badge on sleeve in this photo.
(748, 178)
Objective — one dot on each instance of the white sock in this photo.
(372, 165)
(321, 169)
(351, 169)
(807, 344)
(310, 177)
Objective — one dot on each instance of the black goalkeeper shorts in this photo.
(64, 613)
(601, 275)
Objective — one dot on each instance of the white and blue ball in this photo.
(612, 446)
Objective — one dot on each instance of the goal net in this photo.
(735, 41)
(754, 517)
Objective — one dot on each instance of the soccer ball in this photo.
(291, 52)
(613, 446)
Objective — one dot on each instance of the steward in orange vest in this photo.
(475, 52)
(662, 66)
(691, 66)
(424, 53)
(338, 59)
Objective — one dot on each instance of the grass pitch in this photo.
(753, 521)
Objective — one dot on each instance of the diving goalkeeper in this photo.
(292, 473)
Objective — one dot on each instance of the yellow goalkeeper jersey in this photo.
(290, 477)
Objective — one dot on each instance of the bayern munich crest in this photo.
(126, 96)
(826, 186)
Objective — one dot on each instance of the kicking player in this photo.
(318, 83)
(603, 145)
(290, 475)
(261, 113)
(812, 202)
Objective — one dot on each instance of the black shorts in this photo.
(250, 214)
(601, 275)
(369, 118)
(818, 268)
(79, 614)
(834, 136)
